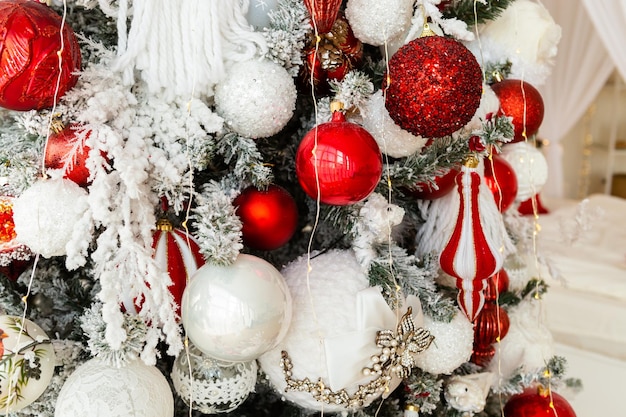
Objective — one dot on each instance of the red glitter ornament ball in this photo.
(435, 86)
(269, 217)
(58, 150)
(538, 402)
(521, 101)
(501, 180)
(445, 184)
(346, 163)
(30, 38)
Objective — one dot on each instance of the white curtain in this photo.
(581, 69)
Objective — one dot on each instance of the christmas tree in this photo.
(273, 207)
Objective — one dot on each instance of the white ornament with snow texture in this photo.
(530, 167)
(332, 337)
(237, 312)
(213, 386)
(27, 363)
(375, 22)
(256, 99)
(451, 348)
(46, 213)
(97, 389)
(391, 138)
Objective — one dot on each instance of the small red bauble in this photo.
(30, 38)
(526, 207)
(521, 101)
(338, 52)
(269, 217)
(501, 180)
(534, 402)
(445, 184)
(435, 86)
(179, 254)
(58, 149)
(346, 162)
(323, 13)
(491, 324)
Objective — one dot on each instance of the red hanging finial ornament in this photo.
(469, 255)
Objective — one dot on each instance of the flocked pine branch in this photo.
(354, 90)
(244, 158)
(217, 227)
(286, 36)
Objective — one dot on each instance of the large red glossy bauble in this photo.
(533, 403)
(434, 88)
(445, 184)
(30, 38)
(521, 101)
(269, 217)
(501, 180)
(58, 149)
(346, 162)
(323, 13)
(179, 254)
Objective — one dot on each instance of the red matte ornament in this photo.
(521, 101)
(62, 145)
(323, 13)
(434, 88)
(347, 162)
(501, 180)
(538, 402)
(30, 38)
(445, 184)
(269, 217)
(526, 207)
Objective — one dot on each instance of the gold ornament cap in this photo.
(164, 225)
(336, 106)
(411, 407)
(471, 161)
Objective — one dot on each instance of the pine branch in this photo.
(245, 159)
(485, 10)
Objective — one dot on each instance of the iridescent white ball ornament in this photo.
(237, 312)
(26, 362)
(256, 98)
(375, 22)
(452, 346)
(391, 138)
(214, 386)
(45, 215)
(530, 167)
(99, 389)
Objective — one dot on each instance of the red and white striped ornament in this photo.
(178, 252)
(470, 254)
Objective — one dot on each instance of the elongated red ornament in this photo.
(469, 255)
(323, 13)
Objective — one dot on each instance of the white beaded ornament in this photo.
(256, 99)
(375, 22)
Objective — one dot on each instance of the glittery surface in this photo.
(29, 64)
(435, 86)
(7, 227)
(524, 105)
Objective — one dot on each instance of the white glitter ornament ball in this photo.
(451, 348)
(530, 167)
(256, 98)
(213, 386)
(391, 138)
(237, 312)
(375, 22)
(99, 389)
(45, 215)
(324, 307)
(27, 362)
